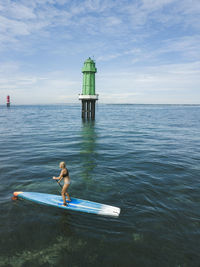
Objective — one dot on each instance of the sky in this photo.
(146, 51)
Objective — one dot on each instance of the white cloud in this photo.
(25, 88)
(164, 12)
(151, 45)
(187, 45)
(171, 83)
(113, 21)
(146, 85)
(30, 18)
(152, 5)
(19, 11)
(13, 27)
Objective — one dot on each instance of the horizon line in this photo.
(73, 103)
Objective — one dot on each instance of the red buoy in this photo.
(8, 101)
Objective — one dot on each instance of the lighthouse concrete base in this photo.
(88, 97)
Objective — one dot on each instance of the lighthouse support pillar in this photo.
(93, 109)
(88, 109)
(83, 108)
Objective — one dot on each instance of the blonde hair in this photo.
(62, 164)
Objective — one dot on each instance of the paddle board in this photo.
(75, 204)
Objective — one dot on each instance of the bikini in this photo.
(65, 175)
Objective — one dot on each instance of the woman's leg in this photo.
(64, 192)
(68, 197)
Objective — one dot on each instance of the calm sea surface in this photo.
(144, 159)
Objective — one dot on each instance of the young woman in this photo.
(64, 174)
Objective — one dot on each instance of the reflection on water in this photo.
(88, 150)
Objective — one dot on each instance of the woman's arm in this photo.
(59, 178)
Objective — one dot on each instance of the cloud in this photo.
(150, 45)
(19, 11)
(155, 84)
(188, 45)
(13, 27)
(186, 48)
(153, 5)
(98, 18)
(29, 88)
(168, 13)
(171, 83)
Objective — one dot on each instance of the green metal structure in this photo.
(88, 95)
(89, 71)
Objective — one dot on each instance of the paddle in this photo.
(59, 184)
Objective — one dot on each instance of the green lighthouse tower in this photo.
(88, 96)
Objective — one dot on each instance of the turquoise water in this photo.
(144, 159)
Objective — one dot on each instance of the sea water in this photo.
(144, 159)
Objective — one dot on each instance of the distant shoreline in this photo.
(77, 104)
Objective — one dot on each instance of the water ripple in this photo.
(141, 158)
